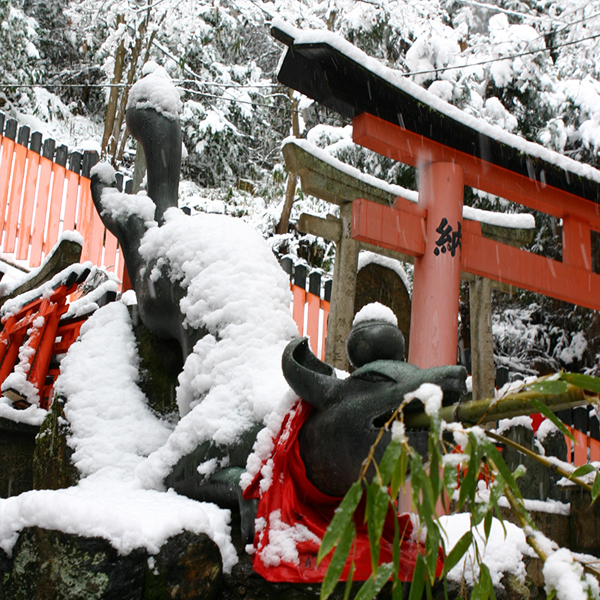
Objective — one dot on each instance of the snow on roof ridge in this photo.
(513, 221)
(398, 80)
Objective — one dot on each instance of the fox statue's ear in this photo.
(312, 379)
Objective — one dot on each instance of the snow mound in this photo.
(112, 432)
(375, 311)
(240, 295)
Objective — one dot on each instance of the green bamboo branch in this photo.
(513, 405)
(539, 458)
(523, 523)
(531, 538)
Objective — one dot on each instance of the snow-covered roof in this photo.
(329, 69)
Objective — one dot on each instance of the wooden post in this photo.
(341, 313)
(436, 288)
(482, 344)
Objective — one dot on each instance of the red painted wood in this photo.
(526, 270)
(8, 147)
(14, 201)
(577, 242)
(110, 251)
(55, 208)
(594, 449)
(85, 217)
(312, 325)
(31, 180)
(436, 284)
(41, 206)
(97, 238)
(400, 227)
(581, 457)
(299, 299)
(43, 355)
(123, 275)
(487, 258)
(71, 198)
(412, 149)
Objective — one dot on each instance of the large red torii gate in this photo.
(398, 119)
(443, 244)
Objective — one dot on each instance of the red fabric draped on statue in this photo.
(293, 515)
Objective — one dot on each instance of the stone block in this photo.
(52, 564)
(17, 445)
(376, 283)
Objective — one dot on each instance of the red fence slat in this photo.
(55, 207)
(33, 160)
(14, 201)
(71, 201)
(41, 206)
(8, 146)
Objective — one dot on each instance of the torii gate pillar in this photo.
(436, 286)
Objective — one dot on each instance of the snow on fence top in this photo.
(332, 71)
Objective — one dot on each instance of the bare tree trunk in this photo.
(111, 108)
(290, 190)
(116, 132)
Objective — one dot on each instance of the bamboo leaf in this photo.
(585, 382)
(367, 590)
(486, 579)
(389, 460)
(396, 554)
(338, 561)
(469, 482)
(418, 581)
(457, 552)
(348, 587)
(378, 502)
(487, 524)
(372, 586)
(434, 472)
(450, 478)
(342, 516)
(432, 545)
(554, 387)
(384, 572)
(596, 487)
(583, 470)
(550, 415)
(397, 590)
(398, 475)
(493, 453)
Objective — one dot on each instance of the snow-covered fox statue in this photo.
(209, 457)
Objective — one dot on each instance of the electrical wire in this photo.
(198, 80)
(501, 58)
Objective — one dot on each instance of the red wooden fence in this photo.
(309, 310)
(41, 197)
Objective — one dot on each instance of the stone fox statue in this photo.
(158, 300)
(347, 413)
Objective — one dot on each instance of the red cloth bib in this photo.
(293, 515)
